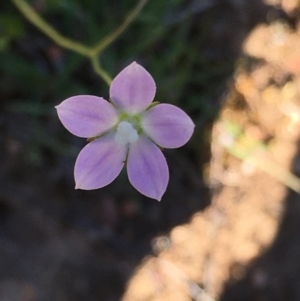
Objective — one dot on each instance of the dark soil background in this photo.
(61, 244)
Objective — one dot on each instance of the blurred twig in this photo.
(172, 271)
(92, 52)
(265, 164)
(257, 156)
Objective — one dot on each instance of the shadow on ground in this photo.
(60, 244)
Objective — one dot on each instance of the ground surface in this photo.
(245, 244)
(232, 234)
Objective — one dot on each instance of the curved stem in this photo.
(99, 70)
(105, 42)
(49, 31)
(91, 52)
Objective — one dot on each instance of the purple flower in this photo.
(127, 129)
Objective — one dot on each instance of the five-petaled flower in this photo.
(128, 129)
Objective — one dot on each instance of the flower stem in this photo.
(49, 31)
(92, 52)
(106, 41)
(99, 70)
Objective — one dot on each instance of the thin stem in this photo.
(91, 52)
(99, 70)
(49, 31)
(265, 164)
(257, 155)
(105, 42)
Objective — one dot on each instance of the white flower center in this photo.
(126, 133)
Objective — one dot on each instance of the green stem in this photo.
(49, 31)
(99, 70)
(105, 42)
(91, 52)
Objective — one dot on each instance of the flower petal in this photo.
(147, 168)
(86, 115)
(99, 163)
(168, 126)
(133, 89)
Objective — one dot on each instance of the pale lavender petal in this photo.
(168, 126)
(99, 163)
(147, 168)
(86, 115)
(133, 89)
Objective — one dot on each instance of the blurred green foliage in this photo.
(169, 38)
